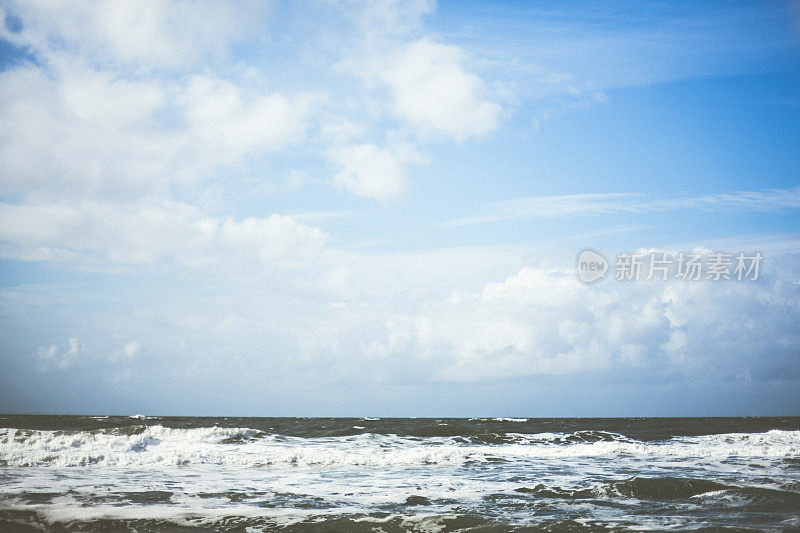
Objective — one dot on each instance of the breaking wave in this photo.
(141, 445)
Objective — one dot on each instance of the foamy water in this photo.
(370, 473)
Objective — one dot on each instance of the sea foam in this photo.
(159, 445)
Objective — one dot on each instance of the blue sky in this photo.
(339, 208)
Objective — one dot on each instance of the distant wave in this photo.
(499, 419)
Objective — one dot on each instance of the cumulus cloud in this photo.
(126, 103)
(49, 356)
(125, 354)
(229, 124)
(96, 137)
(542, 322)
(80, 132)
(432, 90)
(76, 131)
(546, 322)
(370, 171)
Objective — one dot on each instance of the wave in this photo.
(661, 488)
(141, 445)
(704, 491)
(128, 445)
(499, 419)
(666, 488)
(158, 519)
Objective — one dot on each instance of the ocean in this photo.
(112, 473)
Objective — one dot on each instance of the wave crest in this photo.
(142, 445)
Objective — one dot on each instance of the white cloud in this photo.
(540, 322)
(126, 354)
(432, 91)
(604, 203)
(48, 356)
(370, 171)
(74, 348)
(315, 217)
(48, 352)
(72, 131)
(147, 233)
(229, 125)
(126, 103)
(80, 132)
(147, 34)
(765, 200)
(397, 318)
(382, 17)
(132, 349)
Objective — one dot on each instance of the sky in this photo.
(340, 208)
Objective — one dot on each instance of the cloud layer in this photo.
(264, 198)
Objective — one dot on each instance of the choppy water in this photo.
(66, 473)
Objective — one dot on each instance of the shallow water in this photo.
(251, 474)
